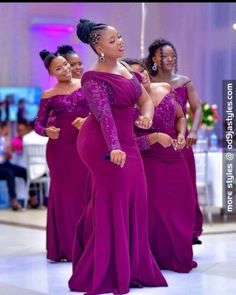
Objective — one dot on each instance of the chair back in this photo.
(35, 155)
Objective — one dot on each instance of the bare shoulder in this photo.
(48, 93)
(126, 65)
(76, 82)
(183, 79)
(161, 85)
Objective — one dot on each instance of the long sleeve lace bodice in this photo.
(42, 117)
(60, 104)
(99, 100)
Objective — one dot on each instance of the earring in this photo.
(102, 57)
(154, 67)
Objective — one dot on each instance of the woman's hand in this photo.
(78, 122)
(143, 122)
(164, 139)
(180, 141)
(52, 132)
(191, 138)
(118, 157)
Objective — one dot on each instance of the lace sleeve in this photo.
(143, 142)
(96, 94)
(42, 117)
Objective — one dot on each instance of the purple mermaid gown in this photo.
(170, 194)
(115, 252)
(182, 97)
(69, 186)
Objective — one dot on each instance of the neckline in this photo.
(163, 99)
(63, 94)
(181, 86)
(111, 74)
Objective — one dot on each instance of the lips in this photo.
(68, 74)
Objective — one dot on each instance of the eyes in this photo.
(168, 57)
(76, 64)
(113, 39)
(65, 64)
(141, 69)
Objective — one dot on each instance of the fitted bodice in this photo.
(60, 104)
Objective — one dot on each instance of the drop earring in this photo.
(154, 67)
(102, 57)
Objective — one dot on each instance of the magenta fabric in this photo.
(70, 182)
(182, 97)
(170, 195)
(115, 253)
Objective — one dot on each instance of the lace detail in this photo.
(140, 134)
(72, 103)
(53, 106)
(143, 142)
(165, 114)
(42, 117)
(98, 96)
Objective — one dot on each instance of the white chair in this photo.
(201, 159)
(37, 168)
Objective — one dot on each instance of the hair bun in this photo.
(44, 53)
(64, 49)
(84, 28)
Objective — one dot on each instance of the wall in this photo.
(201, 32)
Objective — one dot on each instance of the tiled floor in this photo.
(24, 269)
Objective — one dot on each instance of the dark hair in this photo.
(158, 44)
(4, 124)
(65, 50)
(47, 57)
(134, 61)
(89, 32)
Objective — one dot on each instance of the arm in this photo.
(146, 107)
(180, 124)
(42, 117)
(146, 141)
(195, 105)
(41, 121)
(97, 96)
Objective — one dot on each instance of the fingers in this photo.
(174, 144)
(53, 132)
(190, 141)
(78, 123)
(143, 122)
(53, 128)
(118, 157)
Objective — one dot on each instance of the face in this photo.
(22, 130)
(168, 58)
(111, 44)
(76, 65)
(60, 69)
(143, 72)
(4, 131)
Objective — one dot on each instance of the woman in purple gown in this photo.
(170, 195)
(73, 59)
(69, 176)
(162, 66)
(115, 253)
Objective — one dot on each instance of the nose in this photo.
(66, 67)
